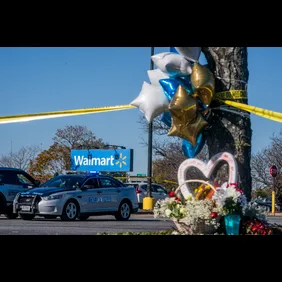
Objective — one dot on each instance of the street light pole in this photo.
(148, 201)
(150, 143)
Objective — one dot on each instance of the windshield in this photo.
(63, 181)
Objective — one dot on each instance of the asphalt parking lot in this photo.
(94, 225)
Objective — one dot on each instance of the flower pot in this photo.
(232, 224)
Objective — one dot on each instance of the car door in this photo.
(10, 180)
(158, 192)
(89, 198)
(110, 193)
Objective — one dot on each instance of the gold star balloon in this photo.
(187, 122)
(203, 81)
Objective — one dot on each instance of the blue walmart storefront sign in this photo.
(102, 160)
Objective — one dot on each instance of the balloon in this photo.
(173, 50)
(166, 119)
(151, 101)
(187, 121)
(204, 83)
(185, 82)
(191, 151)
(173, 64)
(155, 75)
(170, 85)
(191, 53)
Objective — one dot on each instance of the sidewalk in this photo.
(141, 211)
(275, 214)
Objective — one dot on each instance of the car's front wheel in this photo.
(70, 211)
(124, 211)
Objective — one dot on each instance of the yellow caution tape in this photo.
(66, 113)
(231, 95)
(255, 110)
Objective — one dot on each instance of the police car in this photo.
(77, 196)
(12, 182)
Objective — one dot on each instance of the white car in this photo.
(77, 196)
(158, 191)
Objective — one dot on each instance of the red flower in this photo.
(214, 215)
(239, 190)
(171, 194)
(177, 199)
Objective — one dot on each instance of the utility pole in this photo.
(148, 202)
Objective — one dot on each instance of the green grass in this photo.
(163, 232)
(277, 230)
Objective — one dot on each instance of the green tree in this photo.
(57, 158)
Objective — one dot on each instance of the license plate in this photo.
(25, 208)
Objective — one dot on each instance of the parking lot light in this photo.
(148, 201)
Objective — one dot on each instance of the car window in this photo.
(160, 189)
(23, 179)
(108, 183)
(144, 187)
(8, 177)
(63, 181)
(91, 184)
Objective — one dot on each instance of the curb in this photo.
(144, 211)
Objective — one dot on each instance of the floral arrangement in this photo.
(205, 216)
(191, 213)
(257, 227)
(232, 199)
(170, 207)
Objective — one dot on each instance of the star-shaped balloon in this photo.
(203, 81)
(151, 101)
(170, 85)
(166, 119)
(187, 121)
(155, 76)
(173, 64)
(191, 53)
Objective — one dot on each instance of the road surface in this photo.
(92, 226)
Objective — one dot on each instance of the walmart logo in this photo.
(121, 160)
(102, 160)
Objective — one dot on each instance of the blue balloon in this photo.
(186, 83)
(170, 85)
(191, 151)
(166, 118)
(173, 50)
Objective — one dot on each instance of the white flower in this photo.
(182, 210)
(167, 212)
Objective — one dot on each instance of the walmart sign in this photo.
(102, 160)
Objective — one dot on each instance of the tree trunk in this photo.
(230, 132)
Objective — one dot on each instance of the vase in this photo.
(232, 224)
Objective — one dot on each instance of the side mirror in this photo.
(37, 183)
(78, 185)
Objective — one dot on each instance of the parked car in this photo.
(12, 182)
(158, 191)
(79, 196)
(268, 204)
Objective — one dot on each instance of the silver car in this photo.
(77, 196)
(158, 192)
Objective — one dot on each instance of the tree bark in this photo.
(230, 132)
